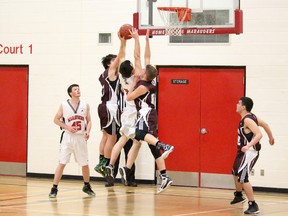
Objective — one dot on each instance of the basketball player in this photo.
(249, 136)
(146, 129)
(109, 110)
(74, 118)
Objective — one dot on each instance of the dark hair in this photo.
(247, 102)
(69, 90)
(106, 60)
(126, 69)
(151, 72)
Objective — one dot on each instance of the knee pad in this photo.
(155, 151)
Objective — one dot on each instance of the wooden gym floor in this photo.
(29, 197)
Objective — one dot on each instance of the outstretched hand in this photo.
(119, 36)
(134, 33)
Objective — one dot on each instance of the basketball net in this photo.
(173, 19)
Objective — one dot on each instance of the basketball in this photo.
(124, 31)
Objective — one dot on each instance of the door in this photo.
(13, 109)
(196, 108)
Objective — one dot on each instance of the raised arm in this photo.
(113, 69)
(267, 129)
(147, 54)
(137, 60)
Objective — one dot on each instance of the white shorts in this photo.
(128, 121)
(76, 144)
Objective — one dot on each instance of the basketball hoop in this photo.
(173, 18)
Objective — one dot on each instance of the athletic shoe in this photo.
(107, 184)
(100, 169)
(237, 199)
(109, 175)
(88, 190)
(123, 173)
(132, 184)
(53, 192)
(166, 182)
(167, 150)
(252, 209)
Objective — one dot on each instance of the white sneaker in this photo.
(166, 182)
(167, 150)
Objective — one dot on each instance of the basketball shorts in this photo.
(243, 164)
(73, 144)
(128, 121)
(109, 118)
(147, 122)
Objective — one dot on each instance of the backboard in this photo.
(207, 17)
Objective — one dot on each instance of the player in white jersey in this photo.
(74, 118)
(128, 77)
(128, 117)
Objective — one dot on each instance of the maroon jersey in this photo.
(109, 88)
(148, 99)
(244, 138)
(109, 108)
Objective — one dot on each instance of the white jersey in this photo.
(75, 117)
(126, 84)
(129, 114)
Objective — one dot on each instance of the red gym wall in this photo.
(14, 111)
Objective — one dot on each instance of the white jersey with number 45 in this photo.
(75, 117)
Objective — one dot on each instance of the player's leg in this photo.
(86, 177)
(101, 150)
(160, 162)
(103, 116)
(167, 149)
(238, 195)
(57, 177)
(251, 156)
(126, 172)
(81, 157)
(111, 133)
(149, 132)
(64, 158)
(114, 156)
(127, 147)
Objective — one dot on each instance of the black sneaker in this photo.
(252, 209)
(88, 190)
(107, 184)
(238, 199)
(109, 175)
(167, 150)
(53, 192)
(123, 173)
(132, 184)
(166, 182)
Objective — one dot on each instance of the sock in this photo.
(55, 186)
(163, 173)
(159, 145)
(238, 193)
(86, 183)
(101, 157)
